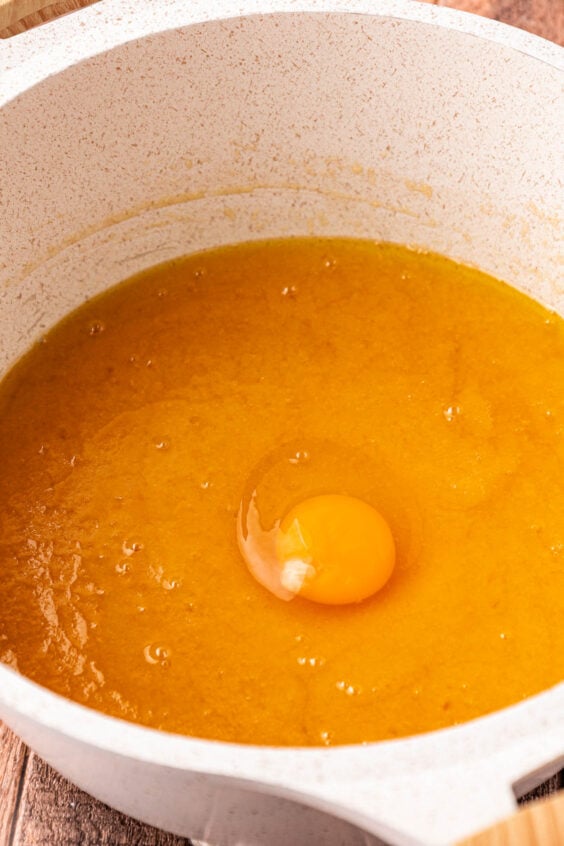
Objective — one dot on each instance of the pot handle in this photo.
(17, 16)
(457, 789)
(539, 824)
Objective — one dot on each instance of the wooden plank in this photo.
(17, 16)
(14, 19)
(53, 811)
(539, 824)
(13, 10)
(541, 17)
(13, 761)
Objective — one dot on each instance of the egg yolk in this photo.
(334, 550)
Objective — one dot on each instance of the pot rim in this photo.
(33, 56)
(25, 697)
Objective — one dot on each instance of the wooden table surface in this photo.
(37, 806)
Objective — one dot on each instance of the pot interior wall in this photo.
(276, 125)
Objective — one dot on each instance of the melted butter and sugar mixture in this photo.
(297, 492)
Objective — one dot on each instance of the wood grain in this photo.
(13, 761)
(540, 824)
(14, 10)
(17, 17)
(542, 17)
(37, 806)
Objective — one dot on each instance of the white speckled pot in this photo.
(132, 132)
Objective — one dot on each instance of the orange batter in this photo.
(388, 422)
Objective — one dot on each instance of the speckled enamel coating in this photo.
(133, 132)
